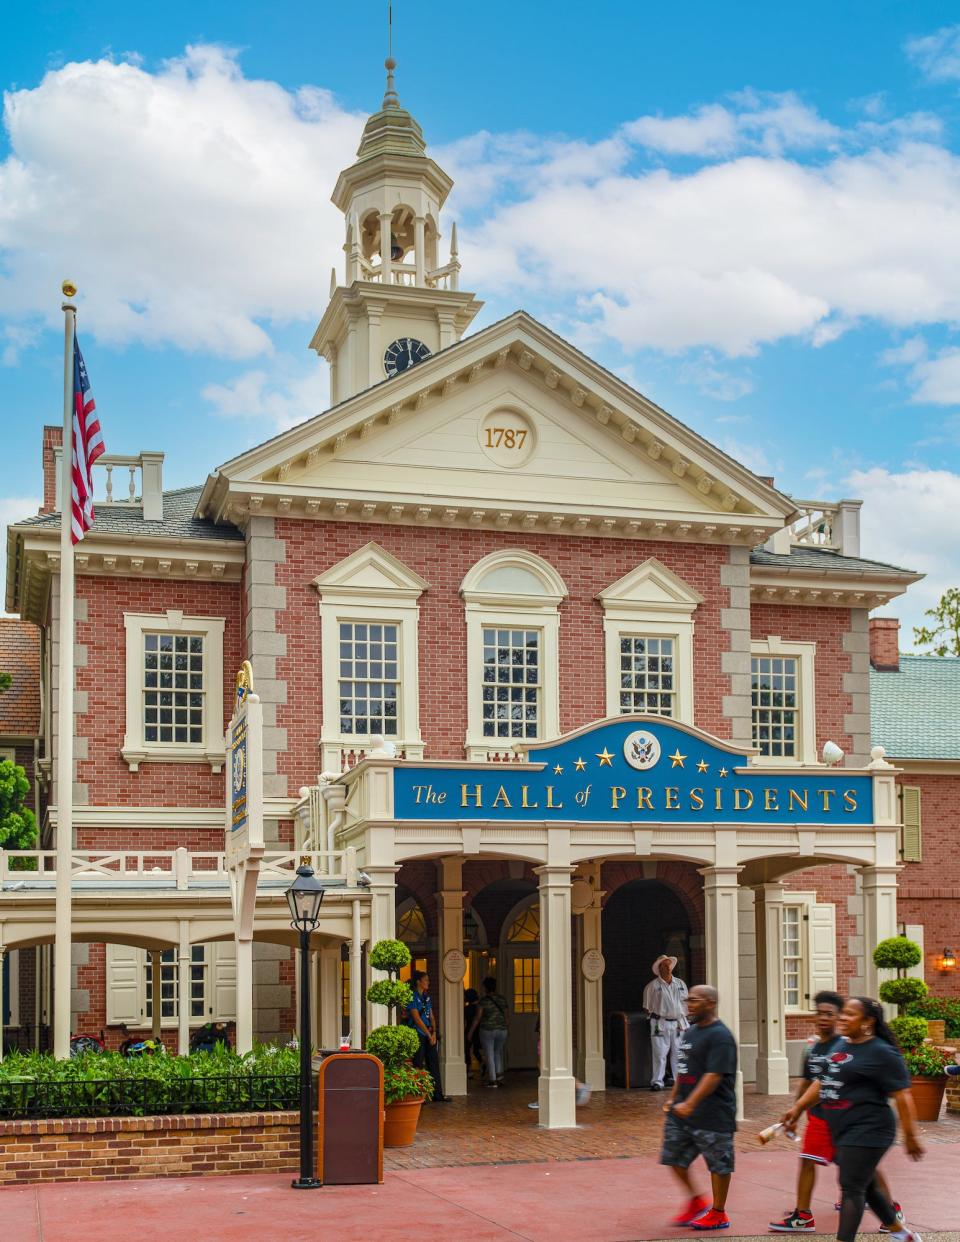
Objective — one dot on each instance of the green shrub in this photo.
(393, 1045)
(405, 1082)
(897, 953)
(910, 1032)
(902, 991)
(389, 955)
(941, 1008)
(391, 993)
(927, 1062)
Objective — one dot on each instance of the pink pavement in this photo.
(569, 1201)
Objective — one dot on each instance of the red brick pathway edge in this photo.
(119, 1148)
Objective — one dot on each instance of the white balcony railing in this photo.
(834, 526)
(124, 481)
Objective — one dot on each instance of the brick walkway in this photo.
(497, 1127)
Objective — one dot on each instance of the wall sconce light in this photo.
(949, 960)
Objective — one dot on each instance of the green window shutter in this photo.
(912, 838)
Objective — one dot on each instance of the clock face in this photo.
(403, 354)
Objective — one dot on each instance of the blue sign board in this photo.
(632, 771)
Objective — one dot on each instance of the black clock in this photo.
(403, 354)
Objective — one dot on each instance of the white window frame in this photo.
(136, 749)
(8, 752)
(220, 966)
(811, 981)
(534, 607)
(651, 602)
(370, 586)
(805, 655)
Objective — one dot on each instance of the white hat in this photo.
(664, 957)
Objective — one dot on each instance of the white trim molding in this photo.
(804, 653)
(369, 586)
(512, 589)
(651, 601)
(136, 749)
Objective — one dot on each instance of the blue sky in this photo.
(750, 212)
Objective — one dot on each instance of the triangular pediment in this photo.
(653, 587)
(371, 570)
(511, 427)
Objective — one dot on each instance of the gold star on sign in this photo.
(676, 759)
(723, 771)
(580, 764)
(703, 766)
(605, 757)
(558, 771)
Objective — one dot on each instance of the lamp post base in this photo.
(305, 1183)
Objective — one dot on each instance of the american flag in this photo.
(87, 446)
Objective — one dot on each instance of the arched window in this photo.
(512, 601)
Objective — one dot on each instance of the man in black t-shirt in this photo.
(702, 1110)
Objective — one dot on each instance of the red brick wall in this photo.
(118, 1148)
(105, 772)
(930, 890)
(52, 437)
(442, 559)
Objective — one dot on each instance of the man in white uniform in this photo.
(665, 1000)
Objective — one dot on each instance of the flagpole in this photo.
(63, 946)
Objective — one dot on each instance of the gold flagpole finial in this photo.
(69, 289)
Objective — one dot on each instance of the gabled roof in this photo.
(915, 711)
(20, 657)
(824, 561)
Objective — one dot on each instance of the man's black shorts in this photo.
(682, 1145)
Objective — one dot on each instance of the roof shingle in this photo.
(20, 657)
(178, 520)
(915, 713)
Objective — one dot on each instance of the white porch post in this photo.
(183, 989)
(556, 1088)
(591, 1066)
(879, 919)
(156, 993)
(356, 979)
(383, 926)
(453, 1069)
(244, 994)
(773, 1071)
(720, 892)
(328, 997)
(3, 954)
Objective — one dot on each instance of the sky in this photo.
(751, 212)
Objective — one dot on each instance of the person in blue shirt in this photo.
(420, 1017)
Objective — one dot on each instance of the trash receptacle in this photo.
(631, 1062)
(350, 1119)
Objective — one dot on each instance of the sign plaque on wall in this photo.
(592, 965)
(454, 966)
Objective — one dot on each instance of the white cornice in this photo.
(808, 586)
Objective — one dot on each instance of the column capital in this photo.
(875, 877)
(720, 877)
(450, 898)
(551, 873)
(771, 891)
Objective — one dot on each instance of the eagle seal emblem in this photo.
(641, 750)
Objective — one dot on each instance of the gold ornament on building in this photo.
(69, 289)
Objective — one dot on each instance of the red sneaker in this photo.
(696, 1207)
(714, 1219)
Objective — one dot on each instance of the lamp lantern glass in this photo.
(949, 960)
(304, 897)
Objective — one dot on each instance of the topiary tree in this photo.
(395, 1046)
(910, 1032)
(390, 956)
(899, 954)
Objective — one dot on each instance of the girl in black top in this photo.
(862, 1075)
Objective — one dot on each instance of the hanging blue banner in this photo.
(626, 771)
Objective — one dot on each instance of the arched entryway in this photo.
(641, 919)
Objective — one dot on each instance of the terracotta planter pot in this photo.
(400, 1122)
(927, 1096)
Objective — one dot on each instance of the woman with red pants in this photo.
(863, 1074)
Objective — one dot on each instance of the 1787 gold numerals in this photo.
(505, 437)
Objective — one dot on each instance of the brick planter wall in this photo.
(117, 1148)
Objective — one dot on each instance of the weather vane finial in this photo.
(390, 99)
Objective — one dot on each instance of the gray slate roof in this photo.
(178, 520)
(915, 713)
(822, 560)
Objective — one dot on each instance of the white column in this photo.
(244, 994)
(328, 997)
(356, 979)
(453, 1069)
(156, 992)
(374, 345)
(773, 1071)
(720, 889)
(386, 237)
(183, 989)
(556, 1088)
(3, 954)
(591, 1066)
(420, 256)
(879, 920)
(383, 926)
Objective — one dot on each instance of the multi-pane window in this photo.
(173, 688)
(169, 983)
(369, 678)
(526, 985)
(511, 683)
(647, 675)
(776, 706)
(792, 957)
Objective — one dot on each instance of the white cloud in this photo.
(190, 205)
(906, 521)
(937, 379)
(13, 509)
(911, 351)
(711, 130)
(937, 55)
(713, 381)
(286, 394)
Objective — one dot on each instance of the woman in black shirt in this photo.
(862, 1076)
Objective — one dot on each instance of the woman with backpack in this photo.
(492, 1022)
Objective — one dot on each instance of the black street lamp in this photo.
(305, 896)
